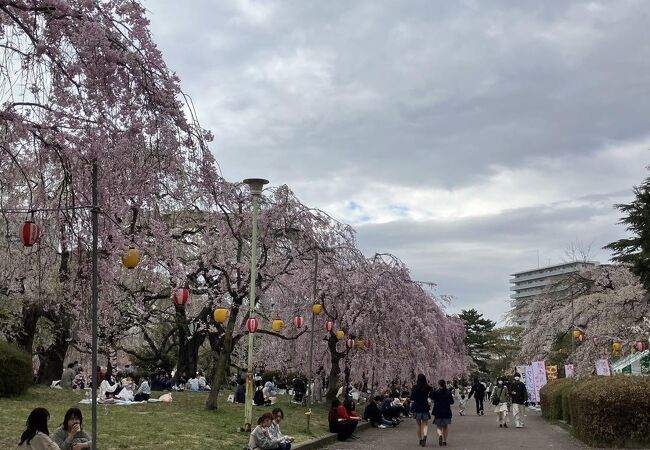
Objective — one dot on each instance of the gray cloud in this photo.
(468, 133)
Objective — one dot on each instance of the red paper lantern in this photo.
(329, 325)
(298, 321)
(641, 346)
(368, 343)
(252, 325)
(30, 233)
(581, 338)
(594, 340)
(350, 343)
(180, 296)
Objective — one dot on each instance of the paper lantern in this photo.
(594, 340)
(350, 343)
(220, 315)
(298, 321)
(359, 344)
(180, 296)
(581, 338)
(131, 259)
(340, 334)
(368, 343)
(277, 325)
(576, 333)
(616, 346)
(329, 325)
(316, 308)
(30, 233)
(641, 346)
(252, 325)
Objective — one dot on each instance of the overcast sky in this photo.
(466, 137)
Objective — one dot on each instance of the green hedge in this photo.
(551, 398)
(15, 370)
(604, 411)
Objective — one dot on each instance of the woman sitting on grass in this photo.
(261, 437)
(70, 436)
(36, 436)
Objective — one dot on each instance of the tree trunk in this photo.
(335, 371)
(188, 346)
(31, 314)
(52, 359)
(224, 348)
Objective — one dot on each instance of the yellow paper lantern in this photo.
(277, 325)
(131, 259)
(576, 334)
(340, 334)
(360, 344)
(616, 346)
(220, 315)
(316, 308)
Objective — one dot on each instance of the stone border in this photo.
(328, 439)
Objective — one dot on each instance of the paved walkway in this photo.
(469, 432)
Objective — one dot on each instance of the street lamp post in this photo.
(311, 344)
(255, 185)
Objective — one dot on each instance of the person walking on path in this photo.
(442, 401)
(500, 399)
(478, 391)
(519, 395)
(420, 407)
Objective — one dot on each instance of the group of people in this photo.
(506, 397)
(68, 436)
(267, 434)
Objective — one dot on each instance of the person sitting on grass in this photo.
(144, 391)
(203, 384)
(340, 422)
(278, 417)
(261, 436)
(70, 436)
(36, 436)
(192, 384)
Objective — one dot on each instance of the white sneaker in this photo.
(381, 426)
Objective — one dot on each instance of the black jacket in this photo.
(442, 401)
(478, 390)
(518, 393)
(372, 413)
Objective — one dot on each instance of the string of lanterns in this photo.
(221, 314)
(30, 234)
(639, 346)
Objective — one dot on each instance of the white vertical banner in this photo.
(530, 384)
(602, 367)
(568, 371)
(539, 376)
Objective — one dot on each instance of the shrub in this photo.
(15, 370)
(611, 411)
(551, 400)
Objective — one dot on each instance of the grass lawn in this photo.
(182, 424)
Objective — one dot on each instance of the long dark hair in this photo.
(442, 384)
(69, 414)
(421, 384)
(37, 421)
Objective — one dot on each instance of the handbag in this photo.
(495, 398)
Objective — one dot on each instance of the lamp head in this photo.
(256, 184)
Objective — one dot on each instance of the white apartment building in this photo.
(529, 283)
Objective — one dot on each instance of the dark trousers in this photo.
(141, 397)
(345, 429)
(479, 404)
